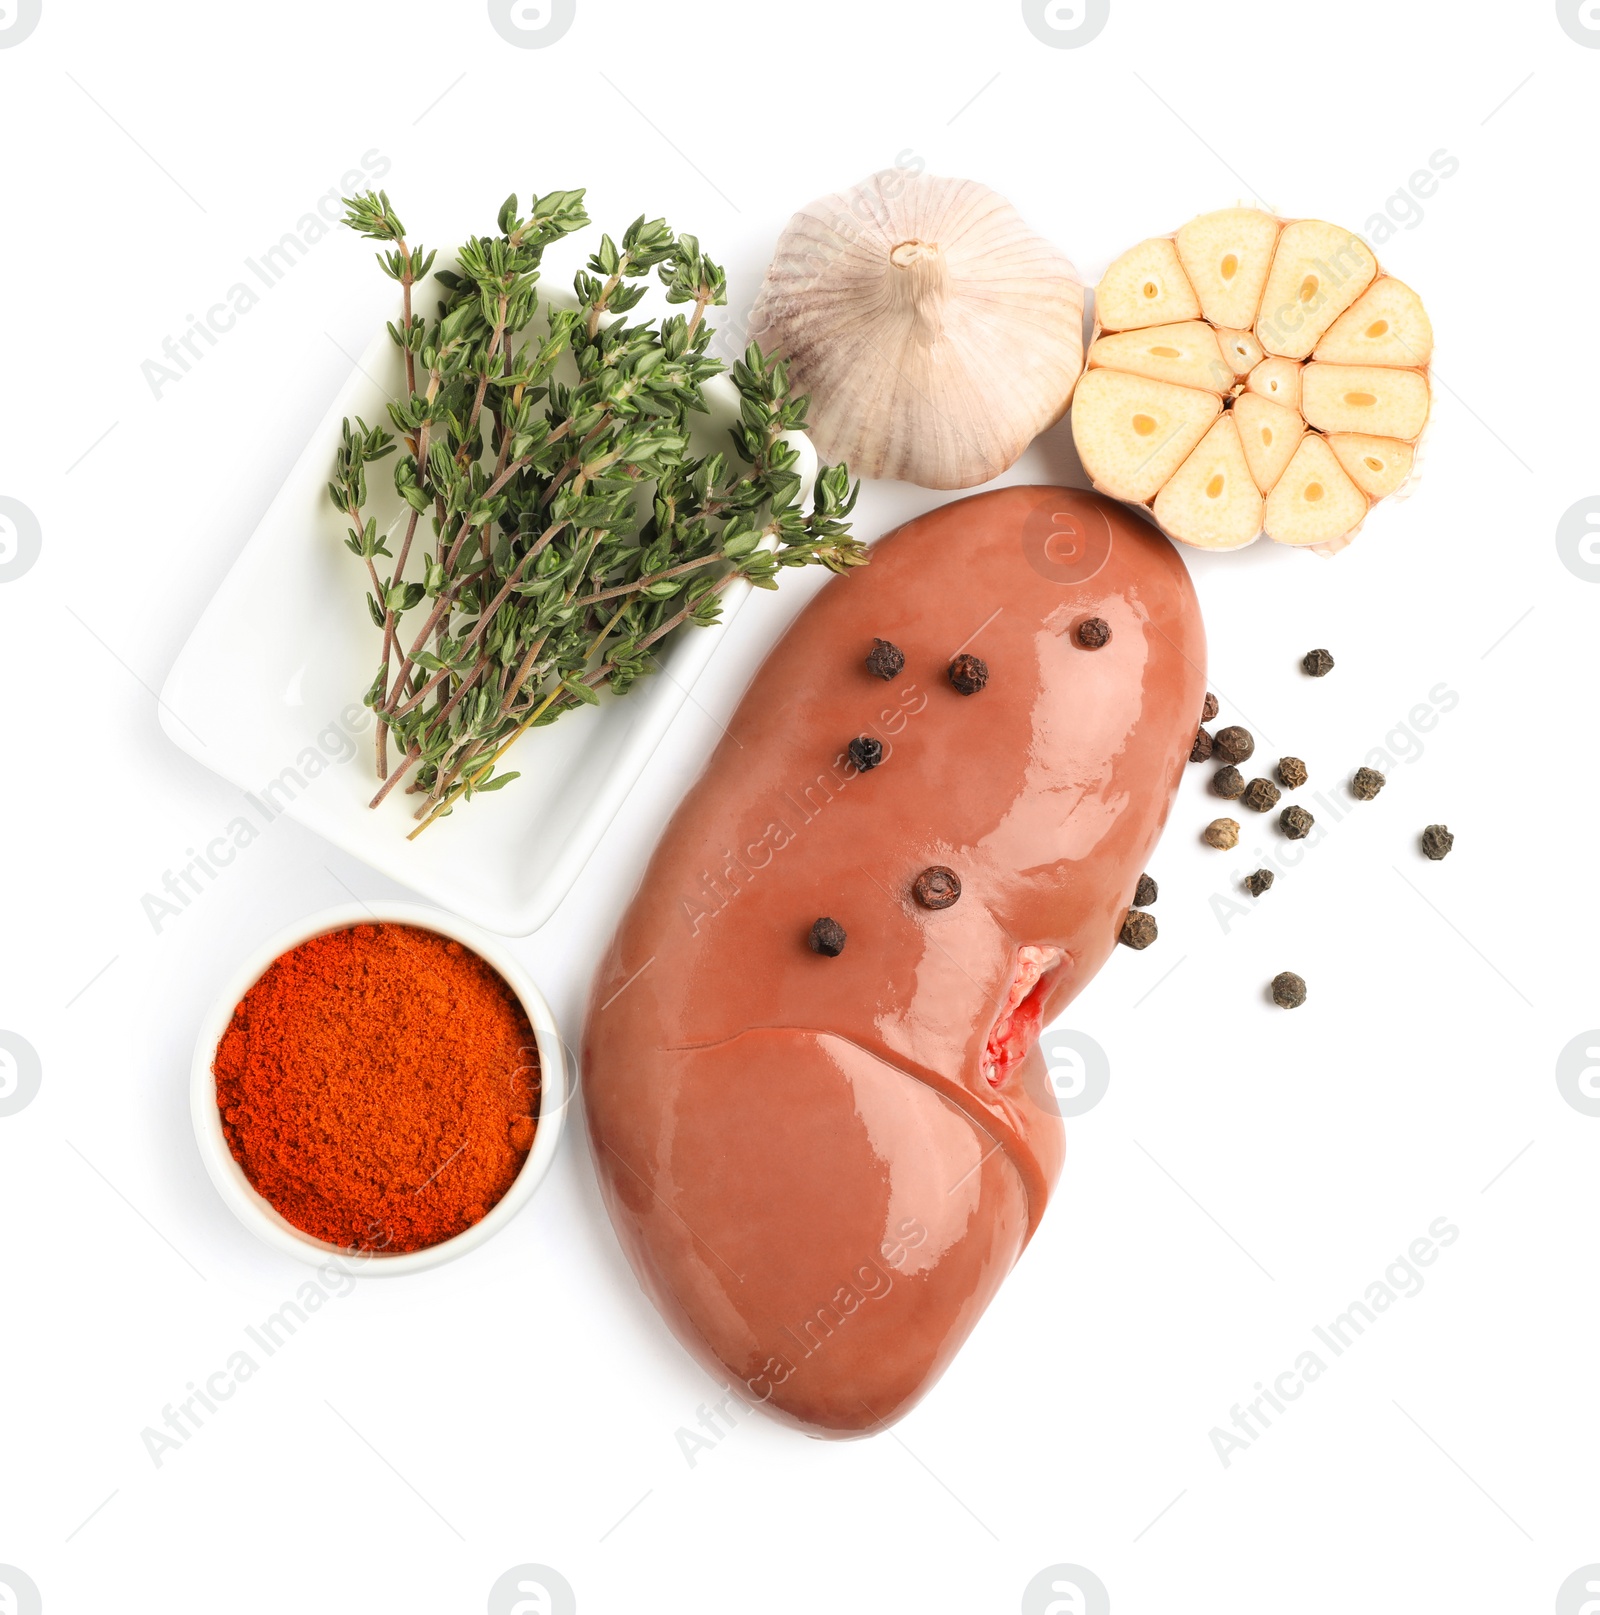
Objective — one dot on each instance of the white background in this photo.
(1249, 1173)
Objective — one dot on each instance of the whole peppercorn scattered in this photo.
(1093, 633)
(1138, 929)
(1145, 893)
(937, 887)
(1296, 823)
(1259, 882)
(1228, 782)
(1200, 751)
(1260, 796)
(1365, 783)
(1223, 834)
(827, 937)
(1288, 990)
(865, 752)
(1233, 744)
(1318, 663)
(1436, 842)
(968, 674)
(885, 660)
(1210, 709)
(1291, 773)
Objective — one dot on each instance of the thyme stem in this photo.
(573, 526)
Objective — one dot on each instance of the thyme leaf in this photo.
(570, 528)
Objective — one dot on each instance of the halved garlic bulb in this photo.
(935, 332)
(1254, 375)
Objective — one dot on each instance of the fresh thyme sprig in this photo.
(545, 583)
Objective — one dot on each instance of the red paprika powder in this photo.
(380, 1087)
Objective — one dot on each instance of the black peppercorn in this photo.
(1228, 782)
(1365, 783)
(1200, 751)
(1093, 633)
(1288, 990)
(1318, 663)
(1436, 842)
(865, 752)
(937, 887)
(1291, 772)
(1296, 823)
(1145, 893)
(827, 937)
(1261, 795)
(1259, 882)
(1233, 744)
(968, 674)
(885, 660)
(1210, 709)
(1138, 929)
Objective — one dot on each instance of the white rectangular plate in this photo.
(267, 692)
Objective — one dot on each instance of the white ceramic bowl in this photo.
(258, 1214)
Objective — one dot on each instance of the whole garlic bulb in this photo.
(935, 332)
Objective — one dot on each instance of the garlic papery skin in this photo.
(935, 332)
(922, 286)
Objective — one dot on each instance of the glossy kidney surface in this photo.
(822, 1168)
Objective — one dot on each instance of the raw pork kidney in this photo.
(822, 1167)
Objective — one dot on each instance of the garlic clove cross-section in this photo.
(1277, 379)
(1270, 434)
(1318, 271)
(1316, 360)
(1187, 355)
(1138, 431)
(935, 332)
(1314, 502)
(1376, 465)
(1212, 501)
(1145, 286)
(1227, 257)
(1365, 398)
(1386, 325)
(1240, 349)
